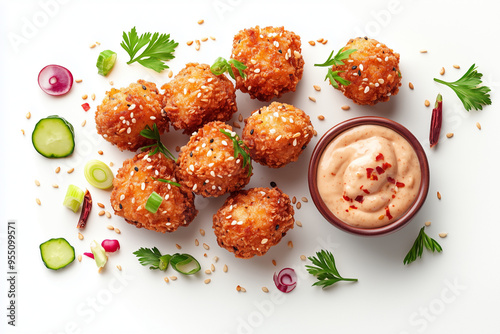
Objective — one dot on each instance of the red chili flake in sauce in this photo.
(400, 184)
(388, 213)
(379, 157)
(386, 165)
(366, 191)
(86, 106)
(359, 199)
(374, 177)
(352, 207)
(346, 198)
(369, 172)
(380, 170)
(391, 180)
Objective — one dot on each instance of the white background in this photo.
(456, 291)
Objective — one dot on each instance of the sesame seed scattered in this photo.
(173, 278)
(38, 201)
(119, 267)
(80, 236)
(299, 224)
(303, 257)
(299, 205)
(274, 262)
(456, 66)
(442, 71)
(225, 268)
(449, 135)
(55, 185)
(28, 115)
(411, 86)
(166, 279)
(345, 107)
(79, 257)
(204, 39)
(201, 21)
(294, 200)
(189, 43)
(266, 290)
(202, 232)
(264, 241)
(361, 67)
(478, 125)
(93, 45)
(101, 213)
(427, 223)
(78, 80)
(37, 183)
(304, 199)
(196, 242)
(84, 96)
(321, 117)
(427, 103)
(312, 99)
(423, 51)
(367, 89)
(294, 142)
(207, 247)
(317, 88)
(208, 271)
(110, 227)
(313, 43)
(170, 73)
(290, 244)
(438, 195)
(117, 231)
(212, 38)
(443, 235)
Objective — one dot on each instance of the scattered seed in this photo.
(317, 88)
(224, 269)
(294, 200)
(423, 51)
(92, 97)
(110, 227)
(204, 39)
(177, 149)
(78, 80)
(456, 66)
(196, 242)
(166, 279)
(84, 96)
(212, 38)
(208, 280)
(438, 195)
(297, 54)
(212, 267)
(101, 213)
(266, 290)
(111, 164)
(80, 236)
(313, 43)
(111, 82)
(100, 205)
(201, 21)
(274, 262)
(28, 115)
(108, 214)
(100, 270)
(242, 289)
(324, 42)
(290, 244)
(312, 99)
(100, 152)
(264, 241)
(320, 40)
(22, 131)
(37, 183)
(57, 170)
(321, 117)
(206, 246)
(79, 257)
(117, 231)
(55, 186)
(173, 278)
(38, 201)
(427, 223)
(216, 259)
(345, 107)
(427, 103)
(304, 199)
(238, 288)
(443, 235)
(303, 257)
(189, 43)
(208, 271)
(236, 125)
(84, 123)
(449, 134)
(299, 224)
(411, 85)
(478, 125)
(299, 205)
(178, 246)
(442, 71)
(202, 232)
(93, 45)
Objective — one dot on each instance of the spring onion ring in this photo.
(74, 198)
(98, 174)
(154, 202)
(185, 264)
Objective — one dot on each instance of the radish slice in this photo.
(286, 280)
(110, 246)
(89, 255)
(55, 80)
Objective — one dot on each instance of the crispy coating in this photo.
(125, 112)
(207, 164)
(133, 185)
(373, 71)
(277, 134)
(273, 59)
(195, 96)
(251, 221)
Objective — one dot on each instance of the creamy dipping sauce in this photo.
(368, 176)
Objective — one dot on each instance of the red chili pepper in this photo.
(352, 207)
(436, 121)
(391, 180)
(369, 172)
(359, 199)
(386, 165)
(388, 213)
(86, 106)
(380, 170)
(400, 184)
(379, 157)
(366, 191)
(86, 207)
(346, 198)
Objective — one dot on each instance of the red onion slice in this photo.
(55, 80)
(286, 280)
(89, 255)
(110, 245)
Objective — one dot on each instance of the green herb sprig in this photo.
(183, 263)
(422, 241)
(158, 146)
(325, 270)
(168, 181)
(239, 149)
(337, 60)
(159, 49)
(222, 65)
(468, 90)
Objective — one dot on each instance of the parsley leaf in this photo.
(239, 147)
(222, 65)
(423, 240)
(334, 76)
(325, 270)
(158, 145)
(159, 48)
(468, 90)
(183, 263)
(149, 257)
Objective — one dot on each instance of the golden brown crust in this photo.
(373, 71)
(277, 134)
(195, 97)
(207, 165)
(273, 59)
(133, 185)
(252, 221)
(125, 112)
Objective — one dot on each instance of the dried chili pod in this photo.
(436, 121)
(86, 207)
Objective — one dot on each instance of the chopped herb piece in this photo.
(240, 148)
(423, 240)
(325, 270)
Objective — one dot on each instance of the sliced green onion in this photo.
(105, 62)
(98, 174)
(74, 198)
(164, 260)
(154, 202)
(100, 256)
(168, 181)
(185, 264)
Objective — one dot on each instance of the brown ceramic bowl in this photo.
(338, 129)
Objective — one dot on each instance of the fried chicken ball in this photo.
(207, 164)
(125, 112)
(277, 134)
(137, 179)
(273, 59)
(373, 71)
(195, 96)
(251, 221)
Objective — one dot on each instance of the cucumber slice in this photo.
(57, 253)
(53, 137)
